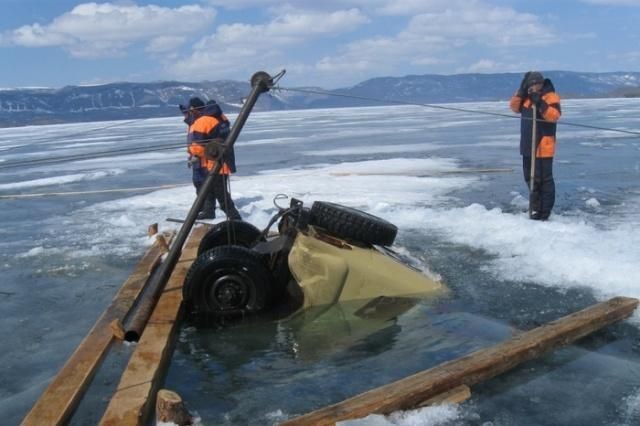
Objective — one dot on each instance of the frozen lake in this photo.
(62, 258)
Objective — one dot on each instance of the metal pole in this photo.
(260, 82)
(534, 147)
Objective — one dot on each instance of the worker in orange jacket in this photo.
(538, 92)
(211, 127)
(198, 173)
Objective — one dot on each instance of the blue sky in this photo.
(328, 43)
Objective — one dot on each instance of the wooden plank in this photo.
(473, 368)
(61, 397)
(134, 400)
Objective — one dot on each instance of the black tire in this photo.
(228, 280)
(242, 234)
(349, 223)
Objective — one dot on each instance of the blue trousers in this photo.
(543, 196)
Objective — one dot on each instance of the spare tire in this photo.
(228, 280)
(349, 223)
(230, 232)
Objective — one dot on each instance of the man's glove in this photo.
(213, 150)
(522, 90)
(192, 161)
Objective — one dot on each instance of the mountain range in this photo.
(118, 101)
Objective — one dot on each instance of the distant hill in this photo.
(119, 101)
(115, 101)
(483, 87)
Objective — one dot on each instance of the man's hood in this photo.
(547, 86)
(212, 109)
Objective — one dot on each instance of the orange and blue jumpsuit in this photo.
(211, 124)
(548, 113)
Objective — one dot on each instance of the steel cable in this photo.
(127, 151)
(170, 146)
(449, 108)
(96, 155)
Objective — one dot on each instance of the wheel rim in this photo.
(228, 291)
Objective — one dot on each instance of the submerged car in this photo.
(321, 256)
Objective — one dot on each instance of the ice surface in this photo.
(63, 257)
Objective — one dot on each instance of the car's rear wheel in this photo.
(350, 223)
(230, 232)
(228, 280)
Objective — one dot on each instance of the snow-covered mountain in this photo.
(159, 99)
(116, 101)
(488, 87)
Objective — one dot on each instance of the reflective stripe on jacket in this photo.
(548, 114)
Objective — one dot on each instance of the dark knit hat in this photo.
(196, 102)
(534, 78)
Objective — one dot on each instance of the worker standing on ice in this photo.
(199, 173)
(209, 129)
(537, 92)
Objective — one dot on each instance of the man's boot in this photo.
(209, 209)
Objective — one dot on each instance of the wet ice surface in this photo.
(63, 258)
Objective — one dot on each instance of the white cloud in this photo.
(93, 29)
(164, 44)
(410, 7)
(318, 42)
(37, 36)
(434, 37)
(481, 24)
(240, 4)
(274, 5)
(245, 47)
(290, 28)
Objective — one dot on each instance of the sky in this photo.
(329, 43)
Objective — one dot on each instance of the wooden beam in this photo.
(61, 397)
(473, 368)
(170, 409)
(134, 400)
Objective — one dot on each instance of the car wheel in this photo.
(349, 223)
(230, 232)
(228, 280)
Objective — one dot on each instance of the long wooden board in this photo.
(61, 397)
(474, 368)
(134, 400)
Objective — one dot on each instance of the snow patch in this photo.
(593, 203)
(427, 416)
